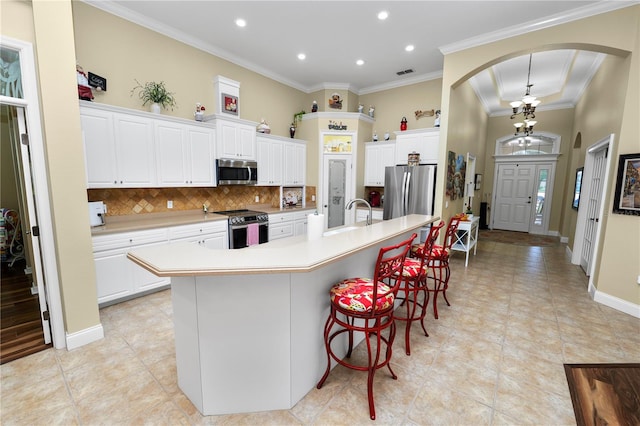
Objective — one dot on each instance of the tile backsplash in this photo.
(127, 201)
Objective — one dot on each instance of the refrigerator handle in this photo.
(405, 193)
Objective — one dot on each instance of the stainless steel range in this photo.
(240, 222)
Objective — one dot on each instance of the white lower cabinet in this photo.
(210, 235)
(118, 278)
(288, 224)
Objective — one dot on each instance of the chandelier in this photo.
(526, 107)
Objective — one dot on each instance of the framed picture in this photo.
(627, 196)
(229, 104)
(576, 188)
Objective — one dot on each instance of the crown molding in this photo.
(180, 36)
(404, 82)
(558, 19)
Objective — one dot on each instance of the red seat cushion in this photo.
(356, 294)
(437, 252)
(413, 267)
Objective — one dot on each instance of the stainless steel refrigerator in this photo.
(409, 190)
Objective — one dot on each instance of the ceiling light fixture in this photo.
(409, 48)
(382, 15)
(526, 107)
(360, 62)
(302, 56)
(241, 22)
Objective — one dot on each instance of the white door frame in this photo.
(31, 103)
(576, 256)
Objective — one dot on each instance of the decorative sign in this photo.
(99, 83)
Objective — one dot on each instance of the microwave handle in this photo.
(249, 174)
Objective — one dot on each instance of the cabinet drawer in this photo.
(128, 239)
(186, 231)
(281, 230)
(280, 217)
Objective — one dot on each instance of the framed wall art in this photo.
(577, 188)
(627, 196)
(229, 104)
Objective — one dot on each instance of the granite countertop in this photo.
(139, 222)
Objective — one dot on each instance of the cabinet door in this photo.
(246, 142)
(300, 227)
(135, 151)
(372, 165)
(227, 139)
(201, 149)
(114, 278)
(294, 164)
(172, 154)
(269, 155)
(425, 143)
(144, 280)
(216, 241)
(99, 148)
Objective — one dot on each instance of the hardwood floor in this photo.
(20, 326)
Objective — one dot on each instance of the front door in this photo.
(514, 197)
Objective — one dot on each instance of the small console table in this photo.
(466, 237)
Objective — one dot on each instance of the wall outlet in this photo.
(638, 279)
(446, 204)
(169, 204)
(257, 198)
(313, 198)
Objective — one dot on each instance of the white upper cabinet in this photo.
(423, 141)
(134, 149)
(185, 154)
(235, 140)
(295, 160)
(99, 148)
(270, 161)
(377, 156)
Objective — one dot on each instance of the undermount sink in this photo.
(340, 230)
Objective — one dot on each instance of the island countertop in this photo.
(295, 254)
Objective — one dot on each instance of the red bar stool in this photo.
(413, 283)
(366, 305)
(439, 264)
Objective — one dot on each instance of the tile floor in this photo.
(493, 358)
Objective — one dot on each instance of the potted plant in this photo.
(156, 94)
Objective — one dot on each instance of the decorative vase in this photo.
(292, 130)
(155, 108)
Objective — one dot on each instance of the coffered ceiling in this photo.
(334, 34)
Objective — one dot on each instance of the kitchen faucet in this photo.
(356, 200)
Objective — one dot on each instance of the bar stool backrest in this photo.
(389, 266)
(449, 236)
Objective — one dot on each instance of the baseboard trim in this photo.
(84, 337)
(568, 250)
(564, 240)
(616, 303)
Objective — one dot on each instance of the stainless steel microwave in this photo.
(236, 172)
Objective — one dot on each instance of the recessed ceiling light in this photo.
(302, 56)
(359, 62)
(409, 48)
(382, 15)
(241, 22)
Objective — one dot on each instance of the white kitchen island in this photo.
(248, 323)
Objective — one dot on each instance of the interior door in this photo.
(593, 209)
(28, 213)
(514, 197)
(337, 188)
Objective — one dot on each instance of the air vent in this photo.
(409, 71)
